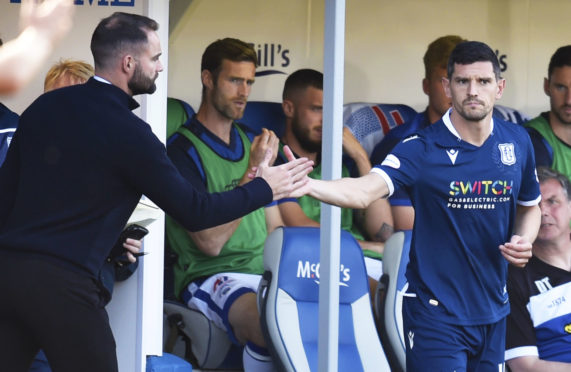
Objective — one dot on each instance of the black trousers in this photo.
(60, 311)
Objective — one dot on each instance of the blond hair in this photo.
(67, 72)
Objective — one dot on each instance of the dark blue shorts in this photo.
(432, 345)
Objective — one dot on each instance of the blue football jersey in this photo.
(465, 201)
(8, 124)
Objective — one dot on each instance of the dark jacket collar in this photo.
(115, 91)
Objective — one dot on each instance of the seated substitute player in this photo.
(472, 182)
(302, 106)
(550, 132)
(435, 60)
(218, 269)
(539, 325)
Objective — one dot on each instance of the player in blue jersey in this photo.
(539, 324)
(435, 60)
(473, 186)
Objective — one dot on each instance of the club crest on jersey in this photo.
(507, 153)
(568, 328)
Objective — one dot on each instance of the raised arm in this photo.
(43, 25)
(349, 192)
(376, 220)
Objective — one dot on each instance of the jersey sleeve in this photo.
(520, 334)
(9, 176)
(529, 193)
(402, 165)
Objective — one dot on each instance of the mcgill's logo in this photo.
(310, 270)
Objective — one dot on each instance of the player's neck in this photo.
(556, 253)
(473, 132)
(215, 122)
(433, 116)
(561, 130)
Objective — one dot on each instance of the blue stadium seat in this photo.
(167, 363)
(288, 300)
(388, 298)
(258, 115)
(369, 122)
(510, 114)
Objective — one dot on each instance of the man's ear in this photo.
(446, 85)
(128, 64)
(207, 79)
(546, 86)
(426, 86)
(501, 87)
(288, 108)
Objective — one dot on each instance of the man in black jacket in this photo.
(75, 170)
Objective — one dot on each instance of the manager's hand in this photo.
(286, 180)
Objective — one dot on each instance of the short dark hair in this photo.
(118, 33)
(438, 52)
(301, 80)
(470, 52)
(545, 174)
(562, 57)
(1, 42)
(228, 48)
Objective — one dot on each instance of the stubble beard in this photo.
(141, 84)
(302, 136)
(226, 109)
(560, 115)
(474, 115)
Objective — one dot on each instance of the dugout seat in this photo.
(288, 301)
(188, 334)
(369, 122)
(178, 112)
(388, 298)
(258, 115)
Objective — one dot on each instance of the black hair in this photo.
(561, 57)
(301, 80)
(228, 48)
(118, 33)
(470, 52)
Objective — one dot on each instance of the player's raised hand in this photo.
(51, 18)
(286, 180)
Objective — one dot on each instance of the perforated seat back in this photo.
(389, 296)
(510, 114)
(369, 122)
(288, 299)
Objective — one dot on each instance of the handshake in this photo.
(286, 180)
